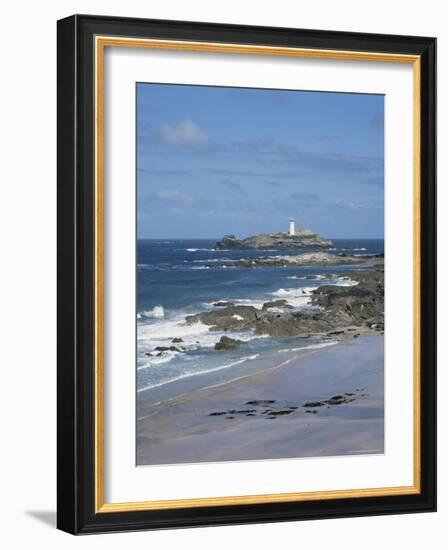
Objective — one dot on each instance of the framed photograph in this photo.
(246, 271)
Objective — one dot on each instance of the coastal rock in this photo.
(167, 348)
(277, 241)
(334, 311)
(228, 343)
(338, 400)
(334, 400)
(280, 413)
(235, 318)
(276, 303)
(299, 260)
(282, 326)
(361, 305)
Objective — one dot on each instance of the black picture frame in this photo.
(76, 286)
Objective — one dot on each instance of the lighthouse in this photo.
(292, 229)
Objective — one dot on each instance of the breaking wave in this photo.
(156, 312)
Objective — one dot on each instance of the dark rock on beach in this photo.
(339, 399)
(280, 413)
(228, 343)
(270, 409)
(335, 400)
(161, 350)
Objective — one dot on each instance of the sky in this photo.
(213, 161)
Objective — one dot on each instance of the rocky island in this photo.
(283, 240)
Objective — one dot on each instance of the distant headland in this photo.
(293, 238)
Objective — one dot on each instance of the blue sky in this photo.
(213, 160)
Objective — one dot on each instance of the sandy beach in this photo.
(322, 402)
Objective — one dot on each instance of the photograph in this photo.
(260, 274)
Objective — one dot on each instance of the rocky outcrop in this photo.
(228, 343)
(276, 241)
(276, 304)
(305, 259)
(335, 310)
(361, 305)
(236, 318)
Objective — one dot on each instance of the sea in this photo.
(177, 278)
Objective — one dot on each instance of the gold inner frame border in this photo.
(100, 44)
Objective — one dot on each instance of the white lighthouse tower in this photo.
(292, 229)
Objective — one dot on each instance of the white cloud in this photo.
(187, 133)
(174, 197)
(352, 205)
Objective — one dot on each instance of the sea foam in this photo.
(156, 312)
(200, 372)
(311, 346)
(297, 297)
(201, 249)
(192, 337)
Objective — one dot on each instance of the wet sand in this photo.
(263, 415)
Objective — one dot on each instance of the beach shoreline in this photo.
(317, 402)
